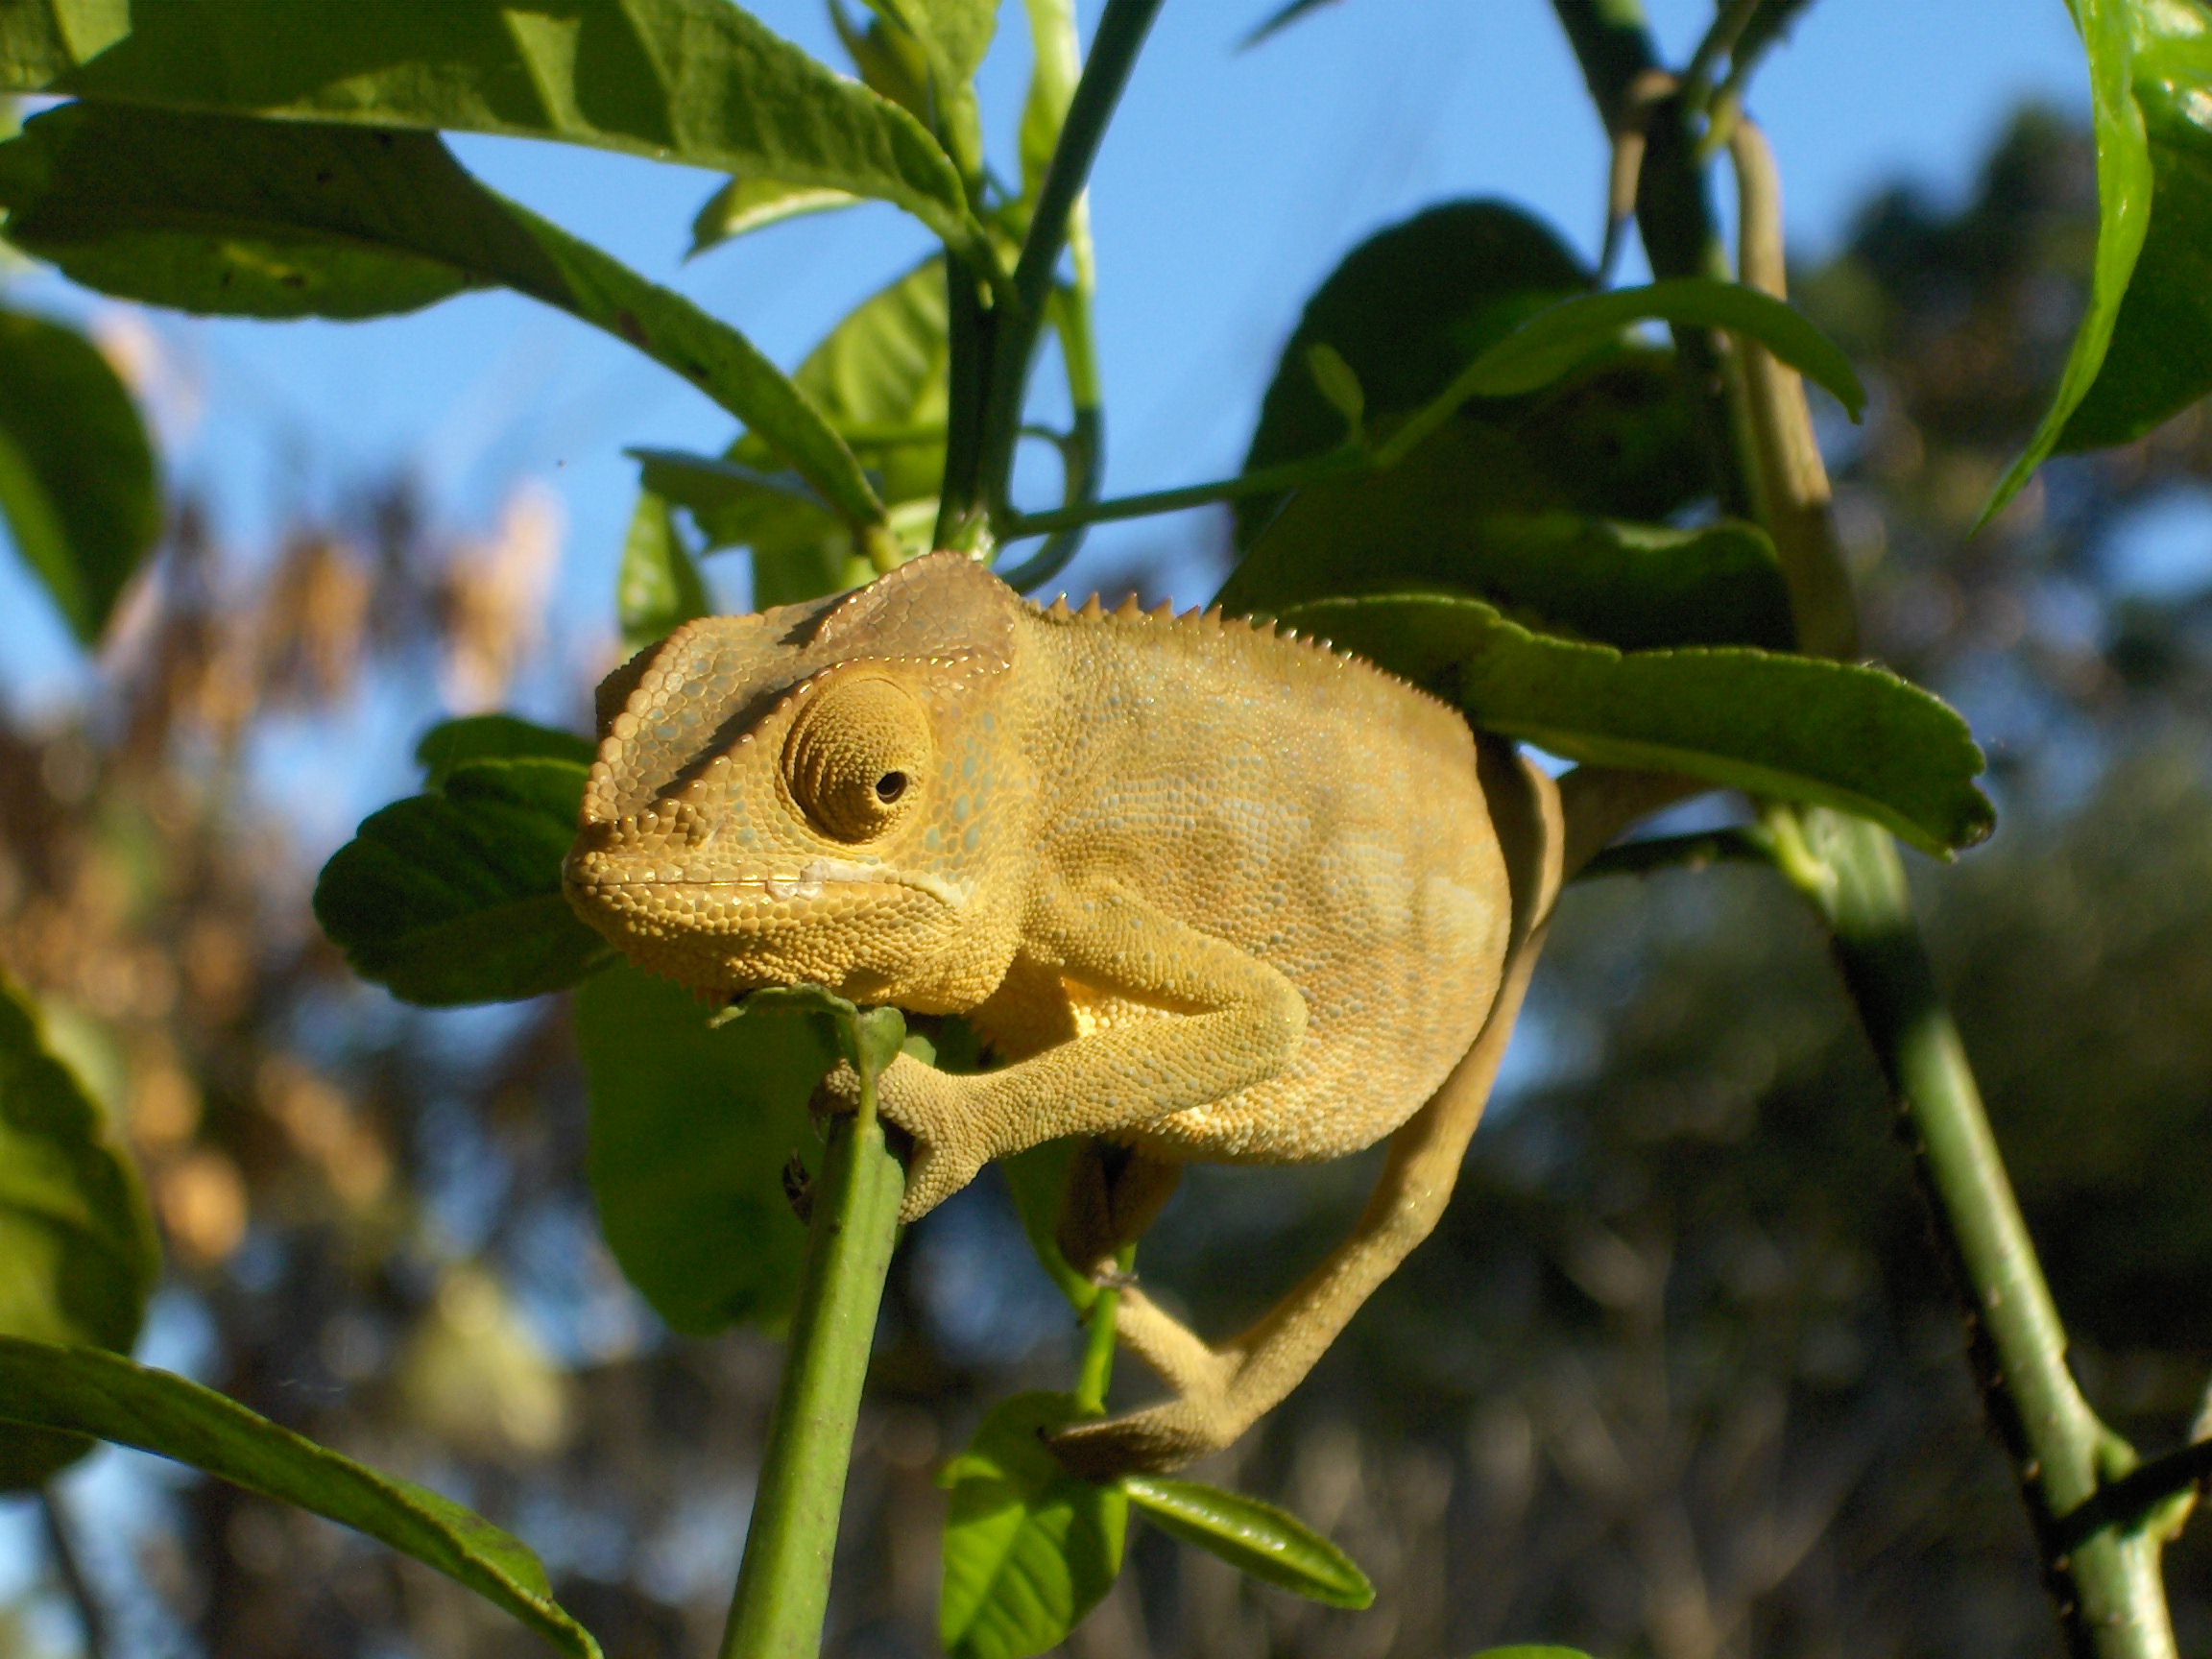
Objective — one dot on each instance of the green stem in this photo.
(1720, 42)
(784, 1585)
(1741, 844)
(1287, 475)
(1114, 48)
(971, 337)
(2108, 1585)
(2106, 1577)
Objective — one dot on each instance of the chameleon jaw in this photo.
(626, 892)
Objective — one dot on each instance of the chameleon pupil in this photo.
(890, 787)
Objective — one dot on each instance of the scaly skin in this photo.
(1212, 892)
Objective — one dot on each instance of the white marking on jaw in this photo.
(815, 873)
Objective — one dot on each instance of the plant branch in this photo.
(1287, 475)
(1740, 844)
(2128, 1501)
(1720, 42)
(784, 1584)
(1114, 48)
(83, 1600)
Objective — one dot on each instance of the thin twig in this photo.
(1720, 42)
(70, 1568)
(1114, 49)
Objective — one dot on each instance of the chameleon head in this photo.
(814, 793)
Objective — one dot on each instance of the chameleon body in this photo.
(1211, 892)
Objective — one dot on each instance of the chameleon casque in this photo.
(1211, 892)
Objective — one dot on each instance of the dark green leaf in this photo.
(1427, 523)
(699, 83)
(1038, 1178)
(748, 204)
(270, 219)
(1798, 728)
(87, 1391)
(77, 480)
(691, 1126)
(659, 587)
(1406, 311)
(454, 743)
(2124, 185)
(455, 896)
(1256, 1538)
(77, 1254)
(1557, 340)
(1532, 1650)
(1029, 1547)
(2159, 357)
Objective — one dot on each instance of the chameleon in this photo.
(1207, 890)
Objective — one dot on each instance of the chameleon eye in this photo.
(853, 756)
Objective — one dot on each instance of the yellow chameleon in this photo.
(1210, 891)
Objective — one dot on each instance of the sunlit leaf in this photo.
(77, 478)
(692, 1125)
(1798, 728)
(658, 588)
(1029, 1547)
(455, 896)
(1269, 1544)
(748, 204)
(88, 1391)
(77, 1253)
(955, 35)
(700, 83)
(455, 743)
(2159, 357)
(273, 219)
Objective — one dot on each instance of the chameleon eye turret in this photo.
(854, 753)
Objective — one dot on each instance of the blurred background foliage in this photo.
(1678, 1375)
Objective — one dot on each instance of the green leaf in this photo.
(748, 204)
(455, 896)
(659, 587)
(88, 1391)
(869, 1038)
(691, 1126)
(1280, 19)
(1797, 728)
(1054, 69)
(1029, 1547)
(1532, 1650)
(2158, 359)
(888, 60)
(953, 35)
(77, 476)
(1556, 341)
(698, 83)
(1269, 1544)
(78, 1252)
(1038, 1177)
(472, 737)
(1430, 522)
(266, 219)
(880, 380)
(1406, 311)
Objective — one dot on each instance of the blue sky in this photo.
(1229, 185)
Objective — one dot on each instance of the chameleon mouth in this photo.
(594, 876)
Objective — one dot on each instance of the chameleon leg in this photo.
(1221, 1391)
